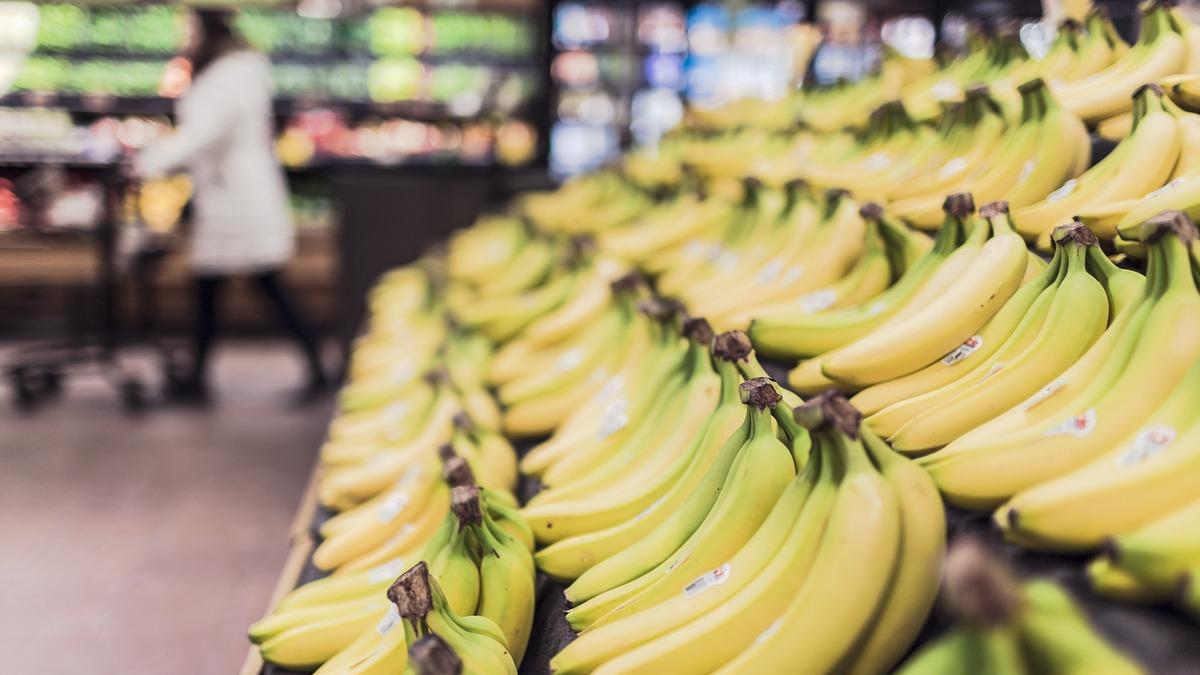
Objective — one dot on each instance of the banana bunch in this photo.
(1047, 325)
(1009, 627)
(615, 498)
(587, 204)
(852, 509)
(849, 104)
(371, 450)
(975, 265)
(1141, 164)
(1166, 45)
(746, 112)
(1180, 193)
(1159, 561)
(809, 330)
(986, 58)
(423, 634)
(1047, 146)
(712, 520)
(616, 406)
(543, 373)
(480, 551)
(1060, 456)
(787, 249)
(820, 254)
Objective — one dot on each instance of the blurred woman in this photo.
(242, 225)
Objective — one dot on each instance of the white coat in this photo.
(223, 138)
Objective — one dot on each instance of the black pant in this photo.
(207, 288)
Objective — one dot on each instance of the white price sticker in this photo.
(569, 359)
(388, 571)
(707, 581)
(1043, 394)
(1026, 171)
(388, 622)
(818, 300)
(393, 505)
(770, 272)
(952, 167)
(1148, 443)
(614, 418)
(1078, 426)
(1062, 192)
(967, 348)
(1166, 188)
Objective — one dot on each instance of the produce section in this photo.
(662, 349)
(969, 304)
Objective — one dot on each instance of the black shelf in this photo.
(85, 105)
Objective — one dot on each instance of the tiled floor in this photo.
(147, 545)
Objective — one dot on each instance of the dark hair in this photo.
(218, 37)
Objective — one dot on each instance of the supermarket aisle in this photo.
(142, 546)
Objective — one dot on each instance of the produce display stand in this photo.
(1163, 640)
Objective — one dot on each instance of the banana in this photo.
(1139, 473)
(964, 358)
(411, 539)
(1140, 164)
(760, 473)
(797, 335)
(870, 276)
(862, 539)
(827, 253)
(729, 598)
(1057, 638)
(405, 497)
(339, 588)
(1161, 553)
(914, 341)
(914, 587)
(666, 432)
(477, 641)
(605, 419)
(379, 651)
(1160, 51)
(1123, 391)
(602, 519)
(1126, 303)
(993, 651)
(1111, 581)
(1009, 165)
(503, 582)
(482, 251)
(371, 529)
(586, 303)
(1075, 319)
(322, 633)
(630, 557)
(457, 572)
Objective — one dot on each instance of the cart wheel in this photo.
(51, 382)
(25, 394)
(133, 395)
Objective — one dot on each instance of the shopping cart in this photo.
(123, 252)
